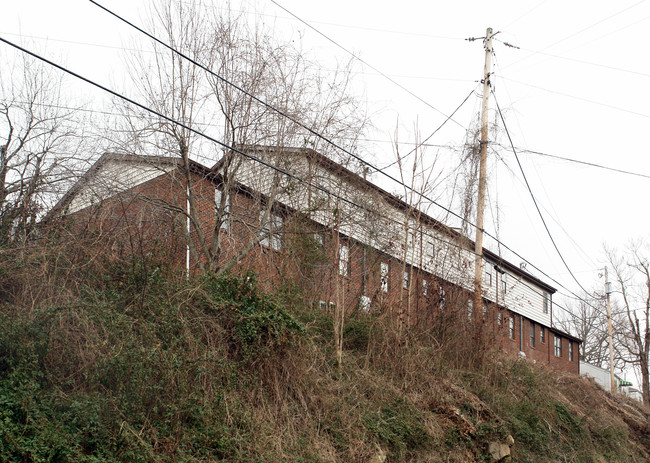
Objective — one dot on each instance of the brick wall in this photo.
(306, 257)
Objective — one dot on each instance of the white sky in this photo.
(576, 88)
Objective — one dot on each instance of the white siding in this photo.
(113, 177)
(383, 226)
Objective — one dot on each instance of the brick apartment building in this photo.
(313, 223)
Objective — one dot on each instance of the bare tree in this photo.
(587, 319)
(632, 290)
(255, 88)
(39, 140)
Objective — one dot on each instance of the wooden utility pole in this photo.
(608, 290)
(480, 205)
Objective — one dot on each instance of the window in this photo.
(470, 309)
(558, 346)
(499, 319)
(383, 273)
(425, 287)
(542, 334)
(272, 231)
(323, 305)
(431, 251)
(225, 212)
(545, 304)
(487, 269)
(364, 304)
(511, 327)
(504, 283)
(405, 279)
(318, 239)
(344, 260)
(441, 294)
(570, 351)
(532, 334)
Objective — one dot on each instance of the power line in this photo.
(253, 158)
(600, 65)
(454, 214)
(590, 164)
(417, 145)
(580, 31)
(533, 196)
(278, 111)
(587, 100)
(420, 99)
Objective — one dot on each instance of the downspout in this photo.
(521, 333)
(187, 251)
(548, 334)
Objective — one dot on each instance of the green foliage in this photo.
(145, 366)
(258, 327)
(399, 426)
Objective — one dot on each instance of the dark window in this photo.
(558, 346)
(532, 334)
(542, 334)
(545, 305)
(570, 351)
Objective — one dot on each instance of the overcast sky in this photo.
(577, 87)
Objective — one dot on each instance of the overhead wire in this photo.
(393, 81)
(607, 18)
(423, 143)
(273, 108)
(579, 98)
(212, 139)
(248, 155)
(584, 163)
(541, 216)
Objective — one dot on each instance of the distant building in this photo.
(379, 250)
(602, 377)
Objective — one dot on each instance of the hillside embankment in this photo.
(134, 364)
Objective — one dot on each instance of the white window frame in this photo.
(531, 340)
(225, 219)
(344, 260)
(511, 326)
(487, 268)
(406, 279)
(542, 335)
(545, 302)
(364, 303)
(272, 231)
(557, 346)
(384, 275)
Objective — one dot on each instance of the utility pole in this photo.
(608, 290)
(480, 206)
